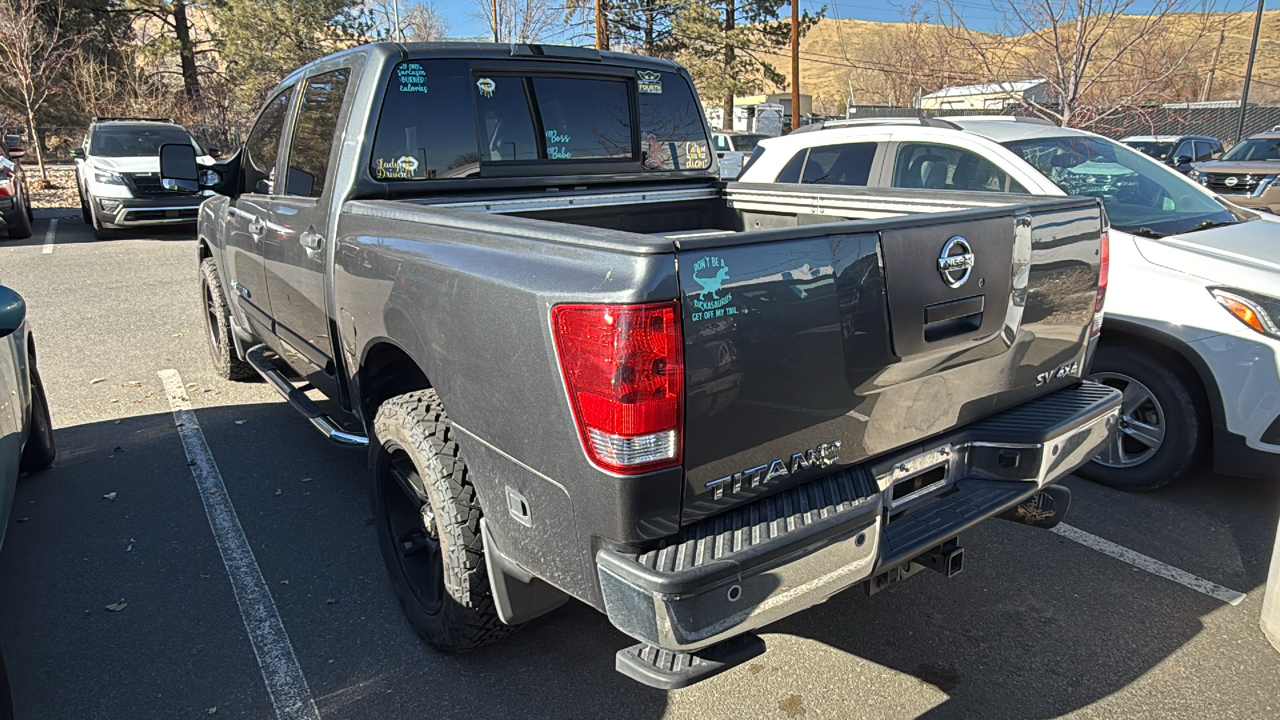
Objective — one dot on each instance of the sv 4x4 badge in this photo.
(1067, 370)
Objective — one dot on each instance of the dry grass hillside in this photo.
(888, 63)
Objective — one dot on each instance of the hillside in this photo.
(883, 63)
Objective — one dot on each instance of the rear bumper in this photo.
(758, 563)
(135, 212)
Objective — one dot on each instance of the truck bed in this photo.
(840, 331)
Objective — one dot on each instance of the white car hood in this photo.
(1245, 255)
(144, 164)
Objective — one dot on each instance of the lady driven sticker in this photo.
(401, 168)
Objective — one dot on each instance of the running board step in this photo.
(299, 401)
(668, 670)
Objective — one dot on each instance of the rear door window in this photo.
(313, 134)
(946, 167)
(791, 172)
(848, 164)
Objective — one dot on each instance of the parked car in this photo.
(584, 369)
(732, 148)
(15, 204)
(117, 175)
(1177, 151)
(26, 431)
(1190, 331)
(1248, 175)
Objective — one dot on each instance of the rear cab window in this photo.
(451, 119)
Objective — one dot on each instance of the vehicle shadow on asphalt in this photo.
(1036, 625)
(73, 229)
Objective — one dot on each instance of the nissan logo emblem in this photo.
(1231, 181)
(956, 262)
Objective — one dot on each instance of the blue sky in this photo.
(978, 13)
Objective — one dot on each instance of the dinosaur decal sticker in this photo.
(711, 273)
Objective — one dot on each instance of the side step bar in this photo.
(668, 670)
(299, 400)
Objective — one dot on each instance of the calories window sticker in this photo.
(412, 78)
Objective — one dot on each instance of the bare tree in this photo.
(405, 21)
(921, 57)
(34, 49)
(522, 21)
(1099, 58)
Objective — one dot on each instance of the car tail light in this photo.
(1103, 273)
(8, 186)
(623, 368)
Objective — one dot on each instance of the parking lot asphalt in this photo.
(1037, 625)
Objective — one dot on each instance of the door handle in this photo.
(313, 242)
(257, 227)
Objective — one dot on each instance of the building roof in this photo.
(1016, 86)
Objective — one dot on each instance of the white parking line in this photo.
(1150, 564)
(48, 236)
(285, 682)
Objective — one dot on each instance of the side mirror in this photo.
(1182, 160)
(214, 153)
(12, 311)
(77, 153)
(178, 169)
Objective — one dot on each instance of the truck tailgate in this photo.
(819, 346)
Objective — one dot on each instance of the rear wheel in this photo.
(428, 520)
(1158, 436)
(217, 323)
(19, 227)
(39, 451)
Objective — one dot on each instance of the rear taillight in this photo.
(8, 185)
(623, 368)
(1103, 272)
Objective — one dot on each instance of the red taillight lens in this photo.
(7, 185)
(623, 368)
(1103, 274)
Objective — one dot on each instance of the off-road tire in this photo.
(1181, 447)
(222, 347)
(39, 452)
(415, 425)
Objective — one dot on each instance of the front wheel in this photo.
(217, 323)
(19, 227)
(428, 520)
(1158, 436)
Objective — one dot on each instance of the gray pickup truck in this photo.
(583, 367)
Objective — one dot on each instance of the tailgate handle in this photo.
(952, 318)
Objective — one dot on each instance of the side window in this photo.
(260, 149)
(1183, 149)
(722, 142)
(945, 167)
(1204, 150)
(313, 134)
(791, 173)
(839, 164)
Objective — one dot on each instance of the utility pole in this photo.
(795, 64)
(1213, 65)
(397, 32)
(495, 21)
(1248, 72)
(602, 25)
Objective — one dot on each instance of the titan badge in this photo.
(824, 455)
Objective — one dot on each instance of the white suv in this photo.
(1192, 327)
(118, 175)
